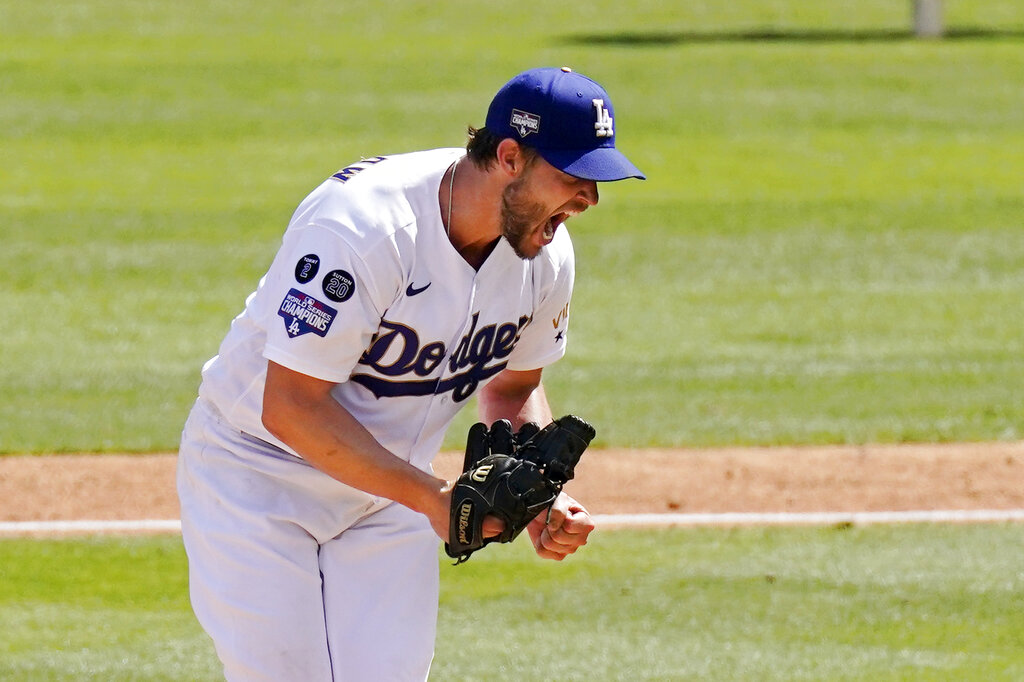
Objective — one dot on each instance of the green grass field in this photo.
(829, 248)
(870, 604)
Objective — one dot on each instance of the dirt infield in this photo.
(842, 479)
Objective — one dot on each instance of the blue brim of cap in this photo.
(604, 164)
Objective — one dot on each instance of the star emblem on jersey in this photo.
(525, 122)
(303, 314)
(603, 125)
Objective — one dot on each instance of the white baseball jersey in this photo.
(368, 292)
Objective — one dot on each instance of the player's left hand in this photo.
(563, 532)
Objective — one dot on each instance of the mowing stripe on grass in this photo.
(604, 520)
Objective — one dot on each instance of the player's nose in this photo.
(588, 193)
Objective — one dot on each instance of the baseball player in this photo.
(404, 285)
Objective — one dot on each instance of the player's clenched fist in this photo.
(561, 532)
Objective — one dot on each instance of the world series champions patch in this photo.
(304, 314)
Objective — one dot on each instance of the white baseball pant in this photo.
(296, 576)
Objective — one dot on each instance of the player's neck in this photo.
(474, 223)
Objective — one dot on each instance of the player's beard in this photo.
(520, 218)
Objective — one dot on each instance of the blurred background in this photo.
(829, 248)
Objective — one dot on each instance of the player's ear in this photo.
(510, 157)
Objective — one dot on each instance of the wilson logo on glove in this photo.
(465, 519)
(513, 477)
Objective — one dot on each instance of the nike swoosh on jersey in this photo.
(411, 290)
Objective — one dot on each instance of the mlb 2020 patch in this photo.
(303, 314)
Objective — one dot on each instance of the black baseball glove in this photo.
(513, 476)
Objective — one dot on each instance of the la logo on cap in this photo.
(603, 126)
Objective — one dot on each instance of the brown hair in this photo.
(482, 148)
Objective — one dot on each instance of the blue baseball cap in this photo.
(567, 117)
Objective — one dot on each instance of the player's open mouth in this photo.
(552, 225)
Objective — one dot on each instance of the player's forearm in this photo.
(516, 396)
(301, 412)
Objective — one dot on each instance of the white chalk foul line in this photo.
(145, 525)
(605, 520)
(813, 518)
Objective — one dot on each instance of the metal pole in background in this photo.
(928, 18)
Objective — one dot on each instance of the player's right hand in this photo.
(492, 526)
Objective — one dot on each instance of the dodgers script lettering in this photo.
(397, 358)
